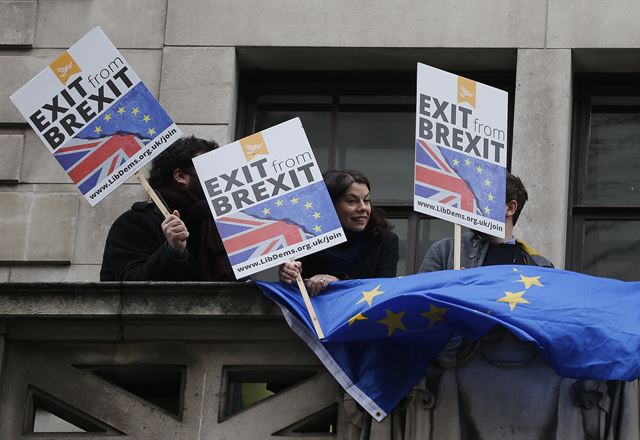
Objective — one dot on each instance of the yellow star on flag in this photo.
(317, 228)
(490, 197)
(487, 210)
(479, 169)
(513, 299)
(135, 110)
(456, 162)
(316, 215)
(393, 321)
(107, 117)
(529, 281)
(487, 182)
(279, 202)
(358, 317)
(146, 118)
(294, 200)
(151, 131)
(308, 205)
(435, 314)
(266, 211)
(368, 296)
(467, 162)
(121, 110)
(98, 129)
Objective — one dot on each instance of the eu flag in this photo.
(381, 334)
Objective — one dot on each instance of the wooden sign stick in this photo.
(145, 184)
(310, 310)
(457, 241)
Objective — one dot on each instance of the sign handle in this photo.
(457, 241)
(310, 310)
(145, 184)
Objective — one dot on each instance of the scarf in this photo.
(204, 242)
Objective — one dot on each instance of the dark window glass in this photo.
(316, 123)
(376, 136)
(401, 228)
(612, 248)
(605, 203)
(359, 120)
(612, 174)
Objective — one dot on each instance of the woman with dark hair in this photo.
(371, 249)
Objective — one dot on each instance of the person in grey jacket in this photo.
(478, 249)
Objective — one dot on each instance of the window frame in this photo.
(587, 86)
(254, 83)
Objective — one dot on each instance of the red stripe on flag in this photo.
(447, 199)
(434, 156)
(114, 144)
(291, 234)
(240, 221)
(453, 184)
(114, 162)
(271, 246)
(76, 147)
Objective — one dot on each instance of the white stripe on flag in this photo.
(330, 364)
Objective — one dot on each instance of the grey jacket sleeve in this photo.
(437, 257)
(539, 260)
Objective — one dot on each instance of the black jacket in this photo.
(137, 250)
(362, 256)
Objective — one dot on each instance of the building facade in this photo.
(223, 69)
(226, 68)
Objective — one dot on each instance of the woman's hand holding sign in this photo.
(318, 283)
(289, 271)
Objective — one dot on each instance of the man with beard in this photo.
(144, 246)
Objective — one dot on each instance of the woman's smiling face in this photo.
(354, 207)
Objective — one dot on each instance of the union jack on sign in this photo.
(87, 162)
(246, 237)
(437, 181)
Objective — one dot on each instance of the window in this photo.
(605, 201)
(360, 120)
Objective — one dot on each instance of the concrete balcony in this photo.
(217, 361)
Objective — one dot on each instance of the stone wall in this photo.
(189, 54)
(159, 361)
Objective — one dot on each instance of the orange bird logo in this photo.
(64, 67)
(253, 145)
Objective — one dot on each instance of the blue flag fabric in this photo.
(381, 334)
(309, 207)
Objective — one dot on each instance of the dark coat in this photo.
(362, 256)
(137, 250)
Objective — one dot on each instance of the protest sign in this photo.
(268, 198)
(461, 150)
(95, 116)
